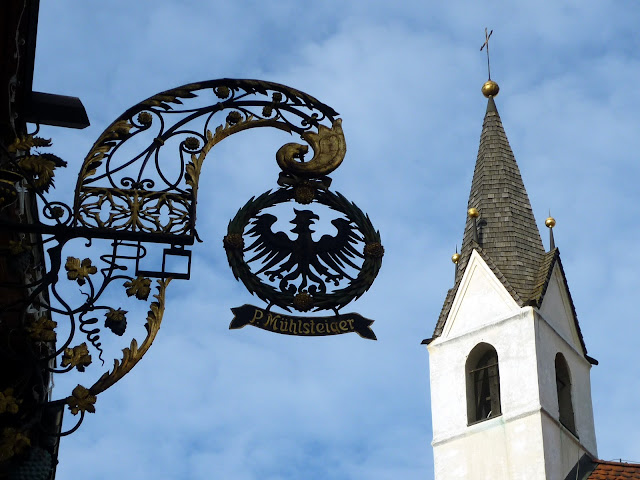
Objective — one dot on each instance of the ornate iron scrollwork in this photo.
(136, 194)
(131, 193)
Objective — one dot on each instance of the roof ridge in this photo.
(544, 276)
(613, 462)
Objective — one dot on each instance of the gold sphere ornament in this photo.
(473, 212)
(455, 258)
(490, 89)
(374, 250)
(303, 193)
(233, 241)
(550, 222)
(303, 302)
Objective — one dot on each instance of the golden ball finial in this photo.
(473, 212)
(455, 257)
(490, 89)
(550, 222)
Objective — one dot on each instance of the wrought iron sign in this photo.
(136, 192)
(302, 273)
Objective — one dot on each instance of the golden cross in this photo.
(486, 44)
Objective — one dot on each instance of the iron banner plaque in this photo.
(301, 326)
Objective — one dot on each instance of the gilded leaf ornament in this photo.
(140, 287)
(77, 357)
(77, 270)
(12, 442)
(36, 168)
(81, 400)
(8, 403)
(18, 247)
(27, 142)
(222, 91)
(40, 169)
(118, 130)
(43, 329)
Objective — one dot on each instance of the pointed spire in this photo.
(500, 224)
(506, 227)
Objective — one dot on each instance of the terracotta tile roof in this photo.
(615, 471)
(589, 469)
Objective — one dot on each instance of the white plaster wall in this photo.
(562, 449)
(501, 448)
(513, 338)
(480, 300)
(549, 343)
(506, 447)
(556, 309)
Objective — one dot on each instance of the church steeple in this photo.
(510, 374)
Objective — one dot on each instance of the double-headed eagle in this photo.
(323, 261)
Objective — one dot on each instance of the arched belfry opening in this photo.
(483, 384)
(563, 385)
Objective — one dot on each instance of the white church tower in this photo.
(510, 374)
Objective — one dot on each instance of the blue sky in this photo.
(207, 402)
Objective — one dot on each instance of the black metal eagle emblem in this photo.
(287, 260)
(299, 272)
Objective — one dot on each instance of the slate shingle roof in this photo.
(508, 237)
(507, 229)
